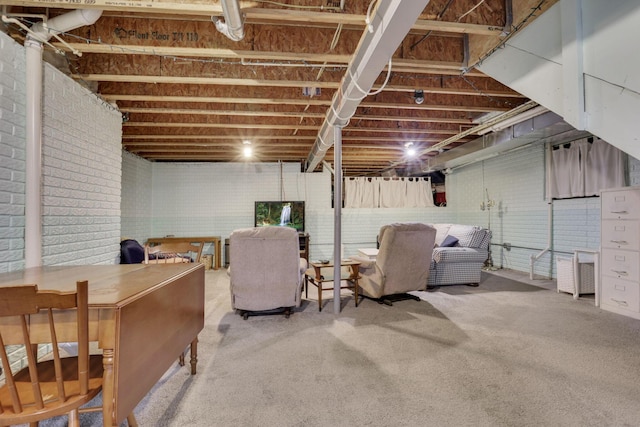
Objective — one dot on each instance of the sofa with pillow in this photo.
(458, 256)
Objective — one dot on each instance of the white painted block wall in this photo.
(81, 168)
(217, 198)
(136, 209)
(12, 154)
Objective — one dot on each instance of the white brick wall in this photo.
(81, 168)
(12, 154)
(82, 160)
(216, 198)
(516, 182)
(136, 210)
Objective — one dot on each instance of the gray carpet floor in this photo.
(507, 353)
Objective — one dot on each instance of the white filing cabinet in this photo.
(620, 242)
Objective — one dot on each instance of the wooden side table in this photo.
(314, 276)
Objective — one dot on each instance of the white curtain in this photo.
(370, 192)
(606, 166)
(393, 192)
(353, 192)
(419, 193)
(361, 192)
(584, 168)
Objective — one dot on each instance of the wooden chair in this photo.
(58, 385)
(172, 252)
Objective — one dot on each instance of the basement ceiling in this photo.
(189, 93)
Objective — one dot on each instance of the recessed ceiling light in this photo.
(409, 149)
(247, 151)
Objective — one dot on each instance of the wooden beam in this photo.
(404, 131)
(250, 58)
(223, 81)
(215, 99)
(304, 102)
(306, 114)
(252, 11)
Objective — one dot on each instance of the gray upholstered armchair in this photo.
(266, 270)
(402, 263)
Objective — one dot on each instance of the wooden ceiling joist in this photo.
(188, 93)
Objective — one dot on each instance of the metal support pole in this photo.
(337, 216)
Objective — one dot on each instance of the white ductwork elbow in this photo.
(233, 25)
(60, 24)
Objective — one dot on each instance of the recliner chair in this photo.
(402, 263)
(266, 270)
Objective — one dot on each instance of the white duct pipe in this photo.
(232, 26)
(391, 22)
(63, 23)
(33, 116)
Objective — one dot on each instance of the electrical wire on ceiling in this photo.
(438, 17)
(481, 92)
(296, 6)
(375, 92)
(514, 30)
(187, 60)
(323, 67)
(470, 10)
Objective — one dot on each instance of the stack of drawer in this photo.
(620, 242)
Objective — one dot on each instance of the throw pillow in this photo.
(449, 242)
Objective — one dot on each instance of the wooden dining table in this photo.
(143, 317)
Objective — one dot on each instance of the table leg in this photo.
(319, 295)
(355, 285)
(194, 355)
(355, 271)
(107, 388)
(218, 255)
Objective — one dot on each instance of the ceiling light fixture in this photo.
(247, 151)
(409, 149)
(418, 96)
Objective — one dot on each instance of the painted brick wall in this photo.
(215, 199)
(136, 210)
(82, 160)
(81, 168)
(516, 182)
(12, 154)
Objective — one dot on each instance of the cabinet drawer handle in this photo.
(620, 302)
(620, 212)
(620, 272)
(620, 242)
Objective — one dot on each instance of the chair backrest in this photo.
(265, 268)
(28, 317)
(131, 252)
(173, 252)
(405, 255)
